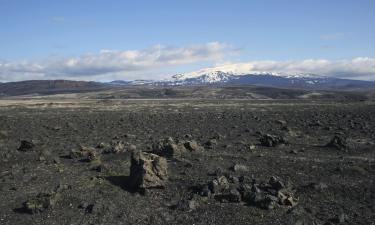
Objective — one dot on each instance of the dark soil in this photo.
(331, 185)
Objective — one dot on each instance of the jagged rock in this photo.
(83, 151)
(92, 156)
(186, 205)
(192, 146)
(233, 195)
(43, 201)
(318, 186)
(269, 140)
(148, 170)
(26, 145)
(103, 145)
(211, 143)
(281, 122)
(252, 147)
(3, 134)
(261, 200)
(205, 191)
(219, 185)
(338, 142)
(168, 148)
(117, 147)
(341, 218)
(239, 168)
(39, 204)
(276, 183)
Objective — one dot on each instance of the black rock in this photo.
(338, 142)
(26, 145)
(269, 140)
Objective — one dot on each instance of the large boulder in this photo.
(148, 170)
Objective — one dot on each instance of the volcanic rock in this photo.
(219, 185)
(26, 145)
(269, 140)
(148, 170)
(192, 146)
(239, 168)
(168, 148)
(338, 142)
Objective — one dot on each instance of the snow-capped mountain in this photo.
(220, 77)
(259, 78)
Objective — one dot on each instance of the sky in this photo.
(105, 40)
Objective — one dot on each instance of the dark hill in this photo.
(46, 87)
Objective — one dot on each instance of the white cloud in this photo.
(112, 62)
(357, 68)
(151, 62)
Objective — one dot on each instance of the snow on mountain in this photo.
(209, 76)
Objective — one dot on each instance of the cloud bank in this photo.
(110, 62)
(149, 64)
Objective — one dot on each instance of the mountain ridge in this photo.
(268, 79)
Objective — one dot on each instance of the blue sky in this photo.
(34, 33)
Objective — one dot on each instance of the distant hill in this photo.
(46, 87)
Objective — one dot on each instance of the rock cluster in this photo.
(170, 148)
(266, 195)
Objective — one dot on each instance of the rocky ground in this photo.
(188, 162)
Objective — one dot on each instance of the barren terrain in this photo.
(66, 159)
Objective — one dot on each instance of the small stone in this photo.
(338, 142)
(56, 160)
(234, 195)
(341, 218)
(290, 201)
(26, 145)
(41, 202)
(211, 143)
(272, 140)
(252, 147)
(205, 191)
(281, 122)
(318, 186)
(186, 205)
(192, 146)
(294, 152)
(219, 185)
(276, 183)
(239, 168)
